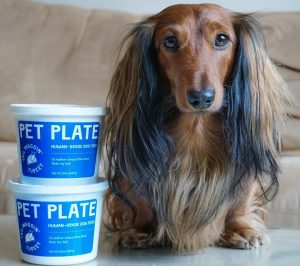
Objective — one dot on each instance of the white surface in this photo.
(150, 7)
(283, 250)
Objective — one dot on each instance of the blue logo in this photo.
(30, 235)
(31, 156)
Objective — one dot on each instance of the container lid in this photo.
(58, 109)
(15, 186)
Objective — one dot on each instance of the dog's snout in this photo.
(201, 99)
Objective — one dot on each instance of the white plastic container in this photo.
(58, 144)
(58, 225)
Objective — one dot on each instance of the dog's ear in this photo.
(138, 147)
(256, 99)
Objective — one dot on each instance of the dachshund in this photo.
(192, 137)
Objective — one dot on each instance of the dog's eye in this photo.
(221, 41)
(171, 43)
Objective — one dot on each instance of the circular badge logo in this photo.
(31, 155)
(30, 234)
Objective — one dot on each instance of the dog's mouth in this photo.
(197, 113)
(187, 109)
(202, 112)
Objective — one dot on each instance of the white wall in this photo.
(154, 6)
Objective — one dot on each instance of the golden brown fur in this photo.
(180, 176)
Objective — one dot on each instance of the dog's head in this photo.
(195, 47)
(207, 60)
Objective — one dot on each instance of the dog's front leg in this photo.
(131, 228)
(244, 226)
(135, 239)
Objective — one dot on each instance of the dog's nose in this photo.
(201, 99)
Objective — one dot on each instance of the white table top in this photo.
(284, 250)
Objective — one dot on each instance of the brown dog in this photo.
(192, 135)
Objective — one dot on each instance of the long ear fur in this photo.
(137, 146)
(256, 99)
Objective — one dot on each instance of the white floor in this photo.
(284, 250)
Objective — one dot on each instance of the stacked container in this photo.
(58, 196)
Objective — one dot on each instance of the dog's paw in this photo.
(249, 239)
(133, 239)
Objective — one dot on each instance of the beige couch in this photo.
(60, 54)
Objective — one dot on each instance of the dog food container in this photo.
(58, 225)
(58, 144)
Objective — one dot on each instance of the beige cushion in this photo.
(284, 211)
(9, 168)
(67, 55)
(55, 54)
(283, 47)
(291, 135)
(282, 39)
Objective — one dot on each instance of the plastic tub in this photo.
(58, 144)
(58, 225)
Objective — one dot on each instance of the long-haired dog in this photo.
(192, 133)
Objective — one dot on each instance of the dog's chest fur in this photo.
(193, 196)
